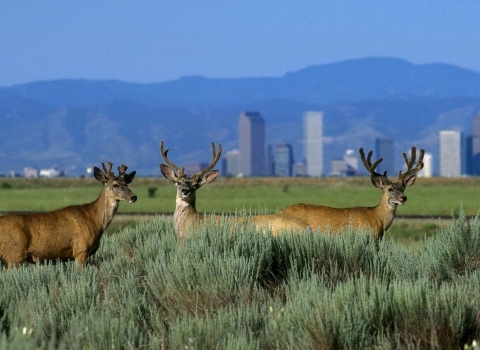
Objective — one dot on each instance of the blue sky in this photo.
(154, 41)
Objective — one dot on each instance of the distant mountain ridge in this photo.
(73, 124)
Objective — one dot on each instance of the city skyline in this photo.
(456, 156)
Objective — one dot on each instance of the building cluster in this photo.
(33, 173)
(252, 158)
(458, 156)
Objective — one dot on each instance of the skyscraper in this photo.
(450, 153)
(474, 157)
(283, 160)
(384, 149)
(251, 141)
(233, 162)
(313, 143)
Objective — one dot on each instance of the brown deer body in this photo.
(374, 219)
(186, 216)
(72, 232)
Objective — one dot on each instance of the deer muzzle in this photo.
(402, 199)
(186, 192)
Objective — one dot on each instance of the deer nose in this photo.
(133, 199)
(402, 199)
(186, 192)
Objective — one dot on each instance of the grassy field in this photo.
(144, 289)
(430, 197)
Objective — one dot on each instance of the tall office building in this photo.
(450, 153)
(313, 143)
(283, 160)
(251, 141)
(384, 149)
(474, 156)
(233, 163)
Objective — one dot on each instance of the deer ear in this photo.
(168, 173)
(99, 175)
(410, 181)
(129, 177)
(378, 181)
(210, 177)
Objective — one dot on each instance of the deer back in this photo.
(374, 219)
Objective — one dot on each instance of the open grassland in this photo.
(428, 197)
(146, 290)
(432, 197)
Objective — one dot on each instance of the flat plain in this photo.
(430, 200)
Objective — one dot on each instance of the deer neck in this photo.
(385, 211)
(104, 209)
(185, 214)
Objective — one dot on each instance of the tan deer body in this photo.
(186, 216)
(72, 232)
(374, 219)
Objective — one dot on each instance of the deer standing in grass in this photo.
(72, 232)
(376, 219)
(186, 216)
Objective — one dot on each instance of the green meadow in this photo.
(144, 289)
(432, 198)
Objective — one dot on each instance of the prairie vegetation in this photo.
(144, 289)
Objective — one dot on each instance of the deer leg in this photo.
(80, 253)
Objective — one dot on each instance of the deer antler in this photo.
(108, 170)
(411, 171)
(180, 171)
(122, 169)
(215, 158)
(368, 163)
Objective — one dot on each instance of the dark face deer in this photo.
(375, 219)
(186, 216)
(72, 232)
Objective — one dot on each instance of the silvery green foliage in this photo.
(228, 287)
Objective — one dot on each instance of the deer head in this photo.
(116, 186)
(394, 190)
(188, 185)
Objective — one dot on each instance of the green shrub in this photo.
(229, 287)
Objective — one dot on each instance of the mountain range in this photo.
(75, 124)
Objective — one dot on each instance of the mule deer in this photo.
(186, 216)
(72, 232)
(376, 219)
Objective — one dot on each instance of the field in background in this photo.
(433, 198)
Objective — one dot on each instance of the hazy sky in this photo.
(153, 41)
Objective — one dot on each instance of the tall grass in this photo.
(222, 290)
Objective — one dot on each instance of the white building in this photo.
(49, 173)
(427, 170)
(313, 143)
(450, 153)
